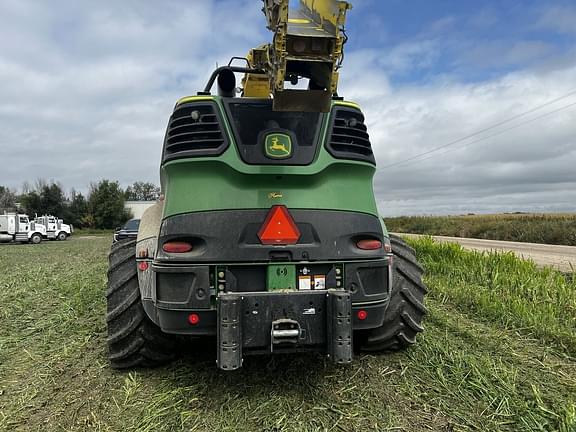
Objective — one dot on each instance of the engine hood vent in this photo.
(194, 130)
(349, 138)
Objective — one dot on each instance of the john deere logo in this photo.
(278, 146)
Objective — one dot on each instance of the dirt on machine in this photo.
(268, 238)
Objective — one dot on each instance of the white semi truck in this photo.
(56, 229)
(16, 227)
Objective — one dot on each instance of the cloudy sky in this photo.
(471, 105)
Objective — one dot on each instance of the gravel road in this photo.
(561, 257)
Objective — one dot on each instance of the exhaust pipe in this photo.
(226, 83)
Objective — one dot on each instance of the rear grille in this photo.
(194, 130)
(349, 138)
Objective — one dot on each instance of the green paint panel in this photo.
(213, 185)
(281, 277)
(226, 182)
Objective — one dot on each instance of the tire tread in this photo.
(133, 339)
(406, 310)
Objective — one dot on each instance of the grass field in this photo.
(498, 354)
(533, 228)
(92, 231)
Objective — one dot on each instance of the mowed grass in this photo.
(532, 228)
(483, 363)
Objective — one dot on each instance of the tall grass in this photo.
(533, 228)
(503, 289)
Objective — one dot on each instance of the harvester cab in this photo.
(268, 237)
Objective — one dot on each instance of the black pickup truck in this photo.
(128, 231)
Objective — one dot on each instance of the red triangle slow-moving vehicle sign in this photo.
(279, 228)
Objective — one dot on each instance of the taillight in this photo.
(369, 244)
(143, 265)
(362, 314)
(193, 319)
(176, 247)
(279, 228)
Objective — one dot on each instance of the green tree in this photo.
(7, 199)
(31, 202)
(52, 199)
(106, 205)
(45, 198)
(142, 191)
(77, 209)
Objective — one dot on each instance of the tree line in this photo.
(102, 208)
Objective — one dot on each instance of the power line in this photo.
(499, 132)
(481, 131)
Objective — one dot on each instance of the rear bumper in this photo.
(172, 292)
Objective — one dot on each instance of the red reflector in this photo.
(176, 247)
(369, 244)
(143, 265)
(362, 314)
(193, 319)
(279, 228)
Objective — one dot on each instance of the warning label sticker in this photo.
(304, 282)
(319, 282)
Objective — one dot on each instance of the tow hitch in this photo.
(271, 322)
(284, 331)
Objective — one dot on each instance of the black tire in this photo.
(61, 236)
(133, 339)
(406, 311)
(36, 238)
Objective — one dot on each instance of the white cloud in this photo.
(504, 53)
(409, 120)
(559, 18)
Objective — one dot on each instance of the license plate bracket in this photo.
(281, 277)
